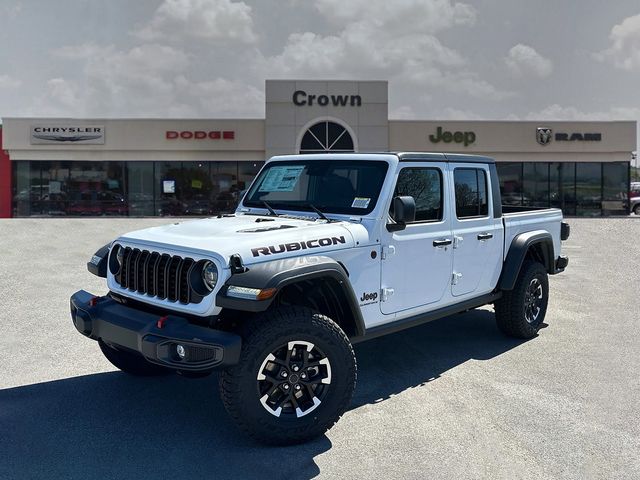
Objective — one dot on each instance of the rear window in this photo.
(471, 192)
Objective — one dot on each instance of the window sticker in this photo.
(360, 202)
(55, 186)
(281, 179)
(168, 186)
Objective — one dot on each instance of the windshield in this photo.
(332, 186)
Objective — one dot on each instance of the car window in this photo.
(334, 186)
(471, 192)
(425, 186)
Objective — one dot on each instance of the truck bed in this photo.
(517, 220)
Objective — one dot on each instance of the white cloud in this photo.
(624, 51)
(457, 114)
(213, 20)
(83, 51)
(400, 15)
(7, 81)
(63, 93)
(11, 10)
(405, 112)
(149, 80)
(138, 81)
(222, 97)
(378, 39)
(559, 112)
(523, 60)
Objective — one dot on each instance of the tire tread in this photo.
(271, 325)
(509, 312)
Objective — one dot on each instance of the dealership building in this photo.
(152, 167)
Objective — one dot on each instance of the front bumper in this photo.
(103, 318)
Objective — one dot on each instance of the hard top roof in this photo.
(402, 156)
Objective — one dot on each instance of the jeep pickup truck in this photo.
(322, 252)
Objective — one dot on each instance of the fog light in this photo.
(181, 351)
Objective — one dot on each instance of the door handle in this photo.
(485, 236)
(442, 243)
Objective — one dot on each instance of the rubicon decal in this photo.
(294, 246)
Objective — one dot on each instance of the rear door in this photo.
(416, 264)
(477, 236)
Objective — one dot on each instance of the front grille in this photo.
(158, 275)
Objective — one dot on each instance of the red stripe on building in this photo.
(5, 182)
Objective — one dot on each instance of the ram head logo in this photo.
(543, 135)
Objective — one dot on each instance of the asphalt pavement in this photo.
(449, 399)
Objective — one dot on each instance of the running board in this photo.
(426, 317)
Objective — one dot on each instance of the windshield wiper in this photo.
(270, 208)
(320, 214)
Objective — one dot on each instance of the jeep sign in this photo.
(466, 138)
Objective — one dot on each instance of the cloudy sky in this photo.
(485, 59)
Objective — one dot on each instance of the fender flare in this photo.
(518, 251)
(280, 273)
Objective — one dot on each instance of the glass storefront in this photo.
(66, 188)
(581, 189)
(129, 188)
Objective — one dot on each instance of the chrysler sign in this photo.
(67, 134)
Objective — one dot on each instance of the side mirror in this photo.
(404, 211)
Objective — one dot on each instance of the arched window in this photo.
(326, 137)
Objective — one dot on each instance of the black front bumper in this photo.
(103, 318)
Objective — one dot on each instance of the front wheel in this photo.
(521, 311)
(636, 209)
(295, 377)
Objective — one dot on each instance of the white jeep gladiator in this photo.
(323, 251)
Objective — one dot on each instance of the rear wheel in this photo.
(295, 377)
(131, 363)
(521, 311)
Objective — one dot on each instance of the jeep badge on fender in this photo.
(267, 296)
(369, 296)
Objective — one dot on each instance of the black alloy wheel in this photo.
(294, 379)
(521, 311)
(533, 298)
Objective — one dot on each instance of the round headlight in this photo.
(210, 275)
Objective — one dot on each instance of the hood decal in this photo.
(293, 246)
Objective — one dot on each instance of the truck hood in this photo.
(255, 238)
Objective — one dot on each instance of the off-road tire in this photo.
(130, 362)
(240, 389)
(510, 309)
